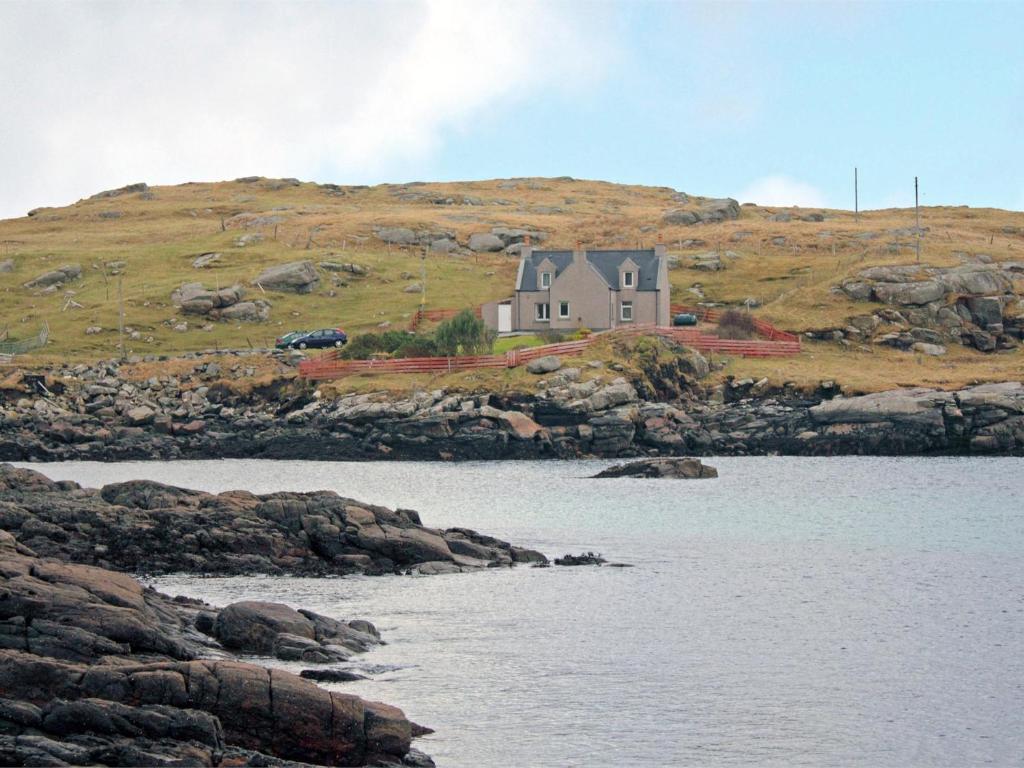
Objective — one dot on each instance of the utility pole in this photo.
(120, 316)
(856, 196)
(423, 279)
(917, 217)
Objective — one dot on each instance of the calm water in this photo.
(795, 611)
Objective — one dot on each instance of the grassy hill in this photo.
(148, 239)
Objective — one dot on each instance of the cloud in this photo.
(101, 94)
(782, 190)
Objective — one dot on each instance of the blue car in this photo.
(328, 337)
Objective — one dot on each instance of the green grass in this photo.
(157, 238)
(508, 343)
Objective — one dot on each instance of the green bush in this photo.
(366, 344)
(464, 334)
(418, 346)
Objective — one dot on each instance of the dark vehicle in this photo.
(285, 341)
(684, 318)
(328, 337)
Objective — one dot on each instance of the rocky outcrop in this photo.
(294, 277)
(676, 469)
(97, 670)
(147, 526)
(56, 277)
(973, 304)
(485, 241)
(225, 303)
(709, 211)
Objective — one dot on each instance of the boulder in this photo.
(924, 348)
(7, 265)
(413, 288)
(59, 276)
(397, 235)
(485, 242)
(353, 269)
(546, 364)
(204, 260)
(680, 217)
(985, 310)
(294, 277)
(195, 299)
(249, 311)
(720, 209)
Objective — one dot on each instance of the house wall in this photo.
(588, 296)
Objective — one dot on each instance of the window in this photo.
(563, 309)
(628, 279)
(545, 279)
(627, 311)
(543, 311)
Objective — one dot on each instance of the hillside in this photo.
(786, 262)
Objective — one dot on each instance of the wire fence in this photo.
(11, 347)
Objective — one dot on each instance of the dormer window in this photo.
(545, 279)
(628, 279)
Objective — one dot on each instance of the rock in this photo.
(194, 299)
(331, 675)
(720, 209)
(204, 260)
(925, 348)
(141, 415)
(7, 265)
(985, 310)
(920, 407)
(294, 277)
(251, 238)
(680, 217)
(485, 242)
(59, 276)
(349, 267)
(781, 216)
(413, 288)
(92, 330)
(546, 364)
(397, 235)
(587, 558)
(917, 293)
(125, 190)
(250, 311)
(684, 468)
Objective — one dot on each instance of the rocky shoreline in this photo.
(92, 413)
(96, 669)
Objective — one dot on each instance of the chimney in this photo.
(526, 249)
(579, 256)
(659, 247)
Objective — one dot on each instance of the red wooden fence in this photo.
(328, 366)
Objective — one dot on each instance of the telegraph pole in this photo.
(120, 315)
(917, 218)
(856, 196)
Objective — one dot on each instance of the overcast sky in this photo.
(768, 102)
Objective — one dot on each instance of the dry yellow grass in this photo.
(157, 238)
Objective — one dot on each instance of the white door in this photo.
(504, 318)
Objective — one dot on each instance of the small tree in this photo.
(464, 334)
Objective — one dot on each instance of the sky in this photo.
(767, 102)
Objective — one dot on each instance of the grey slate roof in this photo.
(607, 264)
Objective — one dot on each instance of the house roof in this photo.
(606, 263)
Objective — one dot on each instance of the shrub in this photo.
(464, 334)
(418, 346)
(366, 344)
(549, 336)
(736, 325)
